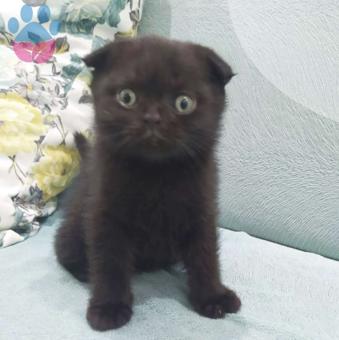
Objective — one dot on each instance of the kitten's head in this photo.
(158, 99)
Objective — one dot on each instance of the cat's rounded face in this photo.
(157, 99)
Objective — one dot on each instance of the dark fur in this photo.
(144, 203)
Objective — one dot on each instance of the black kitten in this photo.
(145, 198)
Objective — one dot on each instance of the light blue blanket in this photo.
(287, 294)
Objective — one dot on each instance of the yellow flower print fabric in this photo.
(21, 125)
(45, 98)
(56, 169)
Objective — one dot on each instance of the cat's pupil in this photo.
(184, 104)
(127, 98)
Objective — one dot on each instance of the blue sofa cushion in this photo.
(286, 294)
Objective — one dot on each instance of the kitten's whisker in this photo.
(108, 112)
(187, 150)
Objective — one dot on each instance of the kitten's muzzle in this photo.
(152, 118)
(152, 133)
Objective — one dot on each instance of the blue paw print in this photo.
(34, 31)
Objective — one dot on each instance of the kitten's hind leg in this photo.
(70, 247)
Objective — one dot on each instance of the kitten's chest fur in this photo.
(157, 208)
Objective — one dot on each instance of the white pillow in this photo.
(45, 97)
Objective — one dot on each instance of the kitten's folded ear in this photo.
(98, 59)
(220, 71)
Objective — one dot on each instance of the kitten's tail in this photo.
(82, 144)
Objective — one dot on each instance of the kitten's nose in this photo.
(152, 117)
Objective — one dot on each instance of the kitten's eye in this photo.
(185, 104)
(126, 98)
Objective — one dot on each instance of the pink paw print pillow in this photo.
(34, 41)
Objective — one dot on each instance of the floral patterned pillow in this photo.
(45, 97)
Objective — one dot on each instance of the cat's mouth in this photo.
(153, 136)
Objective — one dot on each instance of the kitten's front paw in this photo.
(217, 306)
(108, 316)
